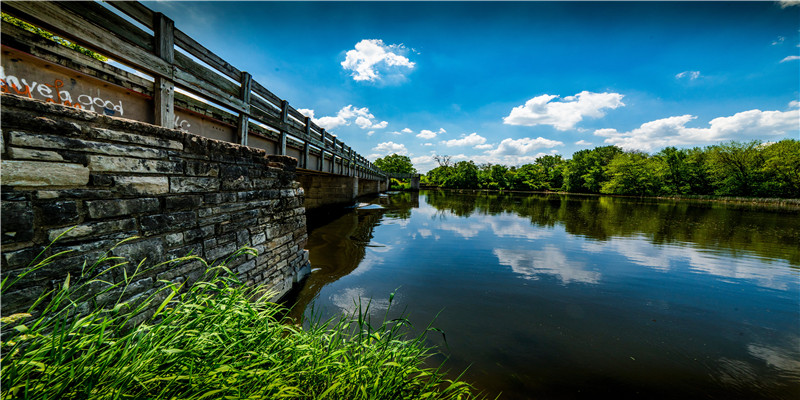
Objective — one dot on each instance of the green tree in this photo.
(673, 170)
(781, 169)
(553, 166)
(533, 177)
(586, 171)
(396, 163)
(632, 173)
(736, 168)
(464, 176)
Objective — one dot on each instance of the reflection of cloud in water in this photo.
(640, 251)
(515, 227)
(466, 231)
(379, 247)
(788, 361)
(766, 273)
(347, 301)
(425, 233)
(370, 260)
(549, 261)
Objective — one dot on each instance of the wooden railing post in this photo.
(284, 111)
(305, 142)
(244, 117)
(282, 144)
(164, 89)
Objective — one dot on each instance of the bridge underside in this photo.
(323, 189)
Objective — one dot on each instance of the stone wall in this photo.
(113, 179)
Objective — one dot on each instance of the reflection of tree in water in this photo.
(769, 232)
(398, 205)
(336, 249)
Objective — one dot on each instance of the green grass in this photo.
(217, 339)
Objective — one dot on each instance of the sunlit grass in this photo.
(217, 339)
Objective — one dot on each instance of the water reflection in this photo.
(555, 296)
(549, 261)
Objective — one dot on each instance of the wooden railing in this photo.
(250, 104)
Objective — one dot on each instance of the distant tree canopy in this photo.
(729, 169)
(396, 163)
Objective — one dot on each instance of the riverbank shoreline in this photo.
(766, 201)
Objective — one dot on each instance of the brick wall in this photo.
(112, 179)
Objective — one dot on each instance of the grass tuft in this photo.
(217, 339)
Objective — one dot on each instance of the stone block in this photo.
(192, 184)
(20, 258)
(183, 202)
(19, 153)
(142, 185)
(199, 233)
(134, 165)
(26, 139)
(217, 198)
(202, 168)
(160, 223)
(151, 249)
(114, 208)
(17, 221)
(246, 267)
(40, 173)
(220, 252)
(92, 229)
(59, 213)
(137, 139)
(174, 239)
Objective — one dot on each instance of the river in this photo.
(567, 296)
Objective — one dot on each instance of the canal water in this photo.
(566, 296)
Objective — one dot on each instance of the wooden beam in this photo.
(164, 88)
(282, 144)
(244, 117)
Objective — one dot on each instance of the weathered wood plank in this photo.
(164, 88)
(37, 46)
(111, 22)
(207, 56)
(266, 94)
(205, 75)
(244, 94)
(191, 83)
(135, 10)
(66, 23)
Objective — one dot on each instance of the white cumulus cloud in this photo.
(371, 58)
(391, 148)
(428, 134)
(472, 139)
(790, 58)
(673, 131)
(583, 143)
(361, 116)
(564, 114)
(518, 147)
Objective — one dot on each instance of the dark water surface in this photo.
(559, 297)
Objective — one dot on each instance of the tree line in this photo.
(749, 169)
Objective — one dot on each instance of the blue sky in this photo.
(508, 82)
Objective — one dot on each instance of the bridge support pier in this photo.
(323, 189)
(414, 182)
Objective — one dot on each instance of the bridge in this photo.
(169, 143)
(173, 81)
